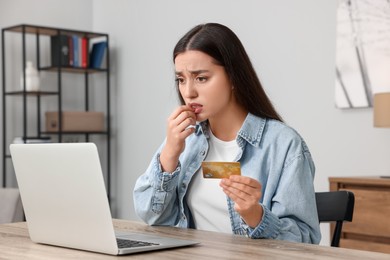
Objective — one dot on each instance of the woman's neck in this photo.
(226, 126)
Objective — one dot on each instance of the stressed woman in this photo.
(225, 116)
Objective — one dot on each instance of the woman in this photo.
(225, 115)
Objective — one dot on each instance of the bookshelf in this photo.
(56, 89)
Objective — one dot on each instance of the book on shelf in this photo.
(84, 52)
(59, 50)
(74, 51)
(97, 54)
(71, 52)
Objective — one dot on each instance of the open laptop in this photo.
(65, 200)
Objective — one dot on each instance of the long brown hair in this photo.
(222, 44)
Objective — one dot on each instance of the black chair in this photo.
(335, 206)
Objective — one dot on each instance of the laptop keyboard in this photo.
(126, 243)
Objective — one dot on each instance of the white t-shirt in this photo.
(205, 198)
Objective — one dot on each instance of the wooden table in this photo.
(16, 244)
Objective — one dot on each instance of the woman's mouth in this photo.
(197, 108)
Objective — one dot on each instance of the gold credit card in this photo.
(220, 170)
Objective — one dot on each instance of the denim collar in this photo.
(251, 130)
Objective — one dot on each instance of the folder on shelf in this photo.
(76, 50)
(59, 50)
(71, 51)
(84, 52)
(97, 54)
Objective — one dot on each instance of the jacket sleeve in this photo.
(292, 213)
(155, 196)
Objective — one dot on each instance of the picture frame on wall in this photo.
(362, 52)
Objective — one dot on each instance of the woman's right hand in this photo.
(177, 131)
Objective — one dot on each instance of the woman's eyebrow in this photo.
(194, 72)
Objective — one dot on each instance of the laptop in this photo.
(65, 201)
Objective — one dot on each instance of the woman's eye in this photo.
(201, 79)
(180, 80)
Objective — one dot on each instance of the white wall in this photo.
(70, 14)
(291, 44)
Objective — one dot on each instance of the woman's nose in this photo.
(189, 90)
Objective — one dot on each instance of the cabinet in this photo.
(369, 229)
(30, 42)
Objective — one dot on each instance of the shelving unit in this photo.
(38, 32)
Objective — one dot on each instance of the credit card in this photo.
(220, 170)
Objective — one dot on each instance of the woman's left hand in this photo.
(246, 194)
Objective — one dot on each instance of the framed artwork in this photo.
(362, 52)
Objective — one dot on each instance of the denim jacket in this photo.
(271, 152)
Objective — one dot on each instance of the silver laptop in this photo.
(65, 201)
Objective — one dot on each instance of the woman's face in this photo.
(203, 84)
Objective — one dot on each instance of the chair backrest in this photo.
(335, 206)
